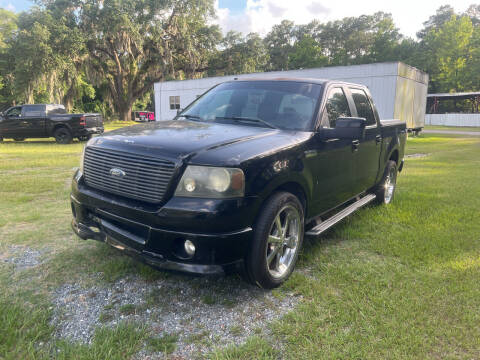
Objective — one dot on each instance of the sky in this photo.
(15, 5)
(260, 15)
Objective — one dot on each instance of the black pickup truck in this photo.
(48, 120)
(239, 177)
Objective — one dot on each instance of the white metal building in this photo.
(465, 120)
(399, 90)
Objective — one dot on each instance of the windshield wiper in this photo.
(247, 119)
(190, 117)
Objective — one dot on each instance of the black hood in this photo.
(178, 139)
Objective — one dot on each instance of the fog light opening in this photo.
(189, 247)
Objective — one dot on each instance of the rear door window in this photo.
(34, 110)
(363, 105)
(335, 107)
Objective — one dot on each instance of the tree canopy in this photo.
(105, 55)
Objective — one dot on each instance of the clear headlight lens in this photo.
(211, 182)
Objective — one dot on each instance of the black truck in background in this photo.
(48, 120)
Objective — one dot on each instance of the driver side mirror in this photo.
(350, 128)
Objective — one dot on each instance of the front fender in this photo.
(278, 173)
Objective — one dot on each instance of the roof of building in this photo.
(294, 79)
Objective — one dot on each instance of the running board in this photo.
(327, 224)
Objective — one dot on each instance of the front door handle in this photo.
(355, 144)
(378, 139)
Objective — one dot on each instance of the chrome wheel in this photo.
(282, 242)
(390, 183)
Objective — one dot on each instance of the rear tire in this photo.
(85, 137)
(19, 139)
(277, 240)
(386, 189)
(63, 135)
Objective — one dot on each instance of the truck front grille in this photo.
(130, 175)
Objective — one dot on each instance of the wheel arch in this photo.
(292, 186)
(58, 126)
(394, 156)
(296, 189)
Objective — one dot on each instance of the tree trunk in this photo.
(69, 98)
(125, 112)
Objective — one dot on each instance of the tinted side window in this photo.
(34, 110)
(16, 111)
(336, 106)
(364, 108)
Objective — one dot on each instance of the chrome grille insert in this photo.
(142, 178)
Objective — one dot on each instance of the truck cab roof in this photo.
(323, 82)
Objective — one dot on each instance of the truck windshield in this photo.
(286, 105)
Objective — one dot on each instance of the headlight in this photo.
(211, 182)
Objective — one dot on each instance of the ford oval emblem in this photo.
(117, 172)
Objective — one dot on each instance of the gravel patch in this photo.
(22, 257)
(203, 312)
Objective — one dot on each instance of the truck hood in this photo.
(180, 139)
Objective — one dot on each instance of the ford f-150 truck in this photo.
(47, 120)
(239, 177)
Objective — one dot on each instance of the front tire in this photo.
(63, 136)
(277, 240)
(386, 190)
(85, 137)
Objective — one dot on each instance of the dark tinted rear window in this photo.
(34, 110)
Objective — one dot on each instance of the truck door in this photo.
(332, 160)
(367, 155)
(34, 120)
(11, 123)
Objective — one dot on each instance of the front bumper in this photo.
(89, 131)
(220, 229)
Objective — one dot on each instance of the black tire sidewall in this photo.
(84, 137)
(255, 262)
(66, 140)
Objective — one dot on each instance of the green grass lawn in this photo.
(400, 281)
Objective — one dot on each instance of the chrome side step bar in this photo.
(327, 224)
